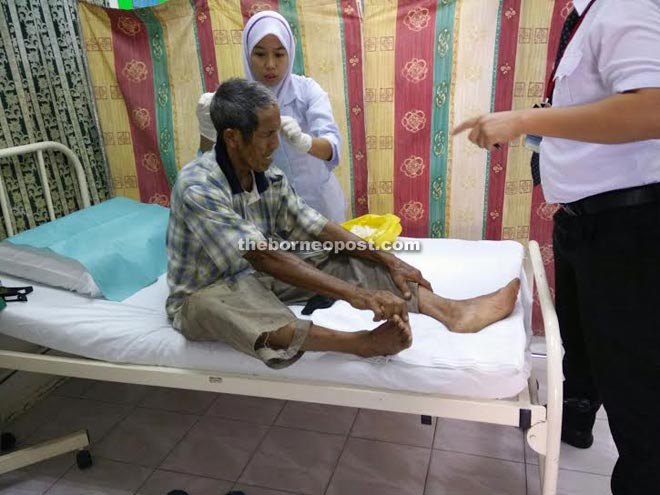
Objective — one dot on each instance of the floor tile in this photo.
(67, 415)
(368, 466)
(570, 483)
(36, 478)
(405, 429)
(452, 473)
(598, 459)
(257, 490)
(216, 448)
(317, 417)
(469, 437)
(118, 393)
(177, 400)
(74, 387)
(163, 482)
(106, 477)
(28, 422)
(246, 408)
(145, 436)
(294, 460)
(22, 483)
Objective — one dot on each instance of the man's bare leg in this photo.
(470, 315)
(391, 337)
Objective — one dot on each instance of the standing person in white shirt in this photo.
(310, 149)
(600, 160)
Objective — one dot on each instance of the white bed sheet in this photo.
(493, 363)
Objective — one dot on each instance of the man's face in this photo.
(257, 153)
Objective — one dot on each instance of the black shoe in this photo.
(581, 439)
(579, 416)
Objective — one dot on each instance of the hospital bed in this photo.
(485, 377)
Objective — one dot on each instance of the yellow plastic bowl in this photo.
(386, 228)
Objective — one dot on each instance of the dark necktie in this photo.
(567, 30)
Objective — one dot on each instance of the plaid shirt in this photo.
(211, 214)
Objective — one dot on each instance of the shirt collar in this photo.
(222, 158)
(580, 5)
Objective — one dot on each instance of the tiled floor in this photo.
(149, 441)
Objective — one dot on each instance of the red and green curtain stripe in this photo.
(289, 11)
(503, 85)
(353, 64)
(208, 67)
(163, 97)
(134, 69)
(412, 113)
(440, 132)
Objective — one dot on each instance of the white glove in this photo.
(206, 127)
(292, 132)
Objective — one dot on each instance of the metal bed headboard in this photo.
(39, 149)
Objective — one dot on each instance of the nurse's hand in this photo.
(292, 132)
(492, 129)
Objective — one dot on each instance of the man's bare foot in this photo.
(472, 315)
(391, 337)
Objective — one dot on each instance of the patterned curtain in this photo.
(45, 97)
(149, 66)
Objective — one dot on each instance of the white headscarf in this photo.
(260, 25)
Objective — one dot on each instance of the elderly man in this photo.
(223, 287)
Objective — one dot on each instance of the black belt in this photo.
(610, 200)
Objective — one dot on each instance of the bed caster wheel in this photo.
(84, 459)
(7, 441)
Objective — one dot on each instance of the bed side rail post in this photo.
(39, 149)
(550, 468)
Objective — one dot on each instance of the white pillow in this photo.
(46, 267)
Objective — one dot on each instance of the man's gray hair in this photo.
(236, 103)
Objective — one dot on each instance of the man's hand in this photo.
(384, 304)
(493, 128)
(402, 273)
(292, 132)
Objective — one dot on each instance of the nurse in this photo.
(310, 143)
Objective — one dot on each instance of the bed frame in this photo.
(542, 423)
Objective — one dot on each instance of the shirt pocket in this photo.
(565, 77)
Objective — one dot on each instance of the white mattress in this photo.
(493, 363)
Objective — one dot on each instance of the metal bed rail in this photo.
(39, 149)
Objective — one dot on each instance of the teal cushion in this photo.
(120, 242)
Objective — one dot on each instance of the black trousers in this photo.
(607, 269)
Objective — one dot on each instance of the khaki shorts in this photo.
(239, 312)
